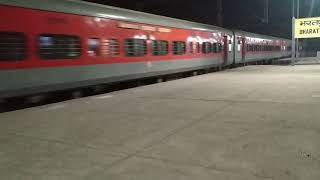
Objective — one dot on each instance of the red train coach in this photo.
(251, 47)
(62, 44)
(50, 45)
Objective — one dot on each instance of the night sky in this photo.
(238, 14)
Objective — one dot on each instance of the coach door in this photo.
(225, 49)
(243, 50)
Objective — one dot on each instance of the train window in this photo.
(53, 46)
(198, 47)
(206, 47)
(135, 47)
(267, 48)
(191, 47)
(94, 46)
(179, 47)
(160, 48)
(220, 47)
(13, 46)
(110, 48)
(251, 47)
(215, 47)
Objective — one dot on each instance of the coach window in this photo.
(13, 46)
(251, 47)
(94, 47)
(220, 47)
(135, 47)
(206, 47)
(160, 48)
(268, 48)
(53, 46)
(110, 48)
(179, 47)
(215, 48)
(191, 47)
(198, 47)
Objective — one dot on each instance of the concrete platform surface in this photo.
(250, 123)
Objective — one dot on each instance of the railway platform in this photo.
(250, 123)
(298, 61)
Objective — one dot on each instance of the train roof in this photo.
(259, 35)
(104, 11)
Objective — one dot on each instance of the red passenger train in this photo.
(56, 45)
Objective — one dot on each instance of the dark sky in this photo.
(237, 14)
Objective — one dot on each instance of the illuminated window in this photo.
(94, 47)
(59, 46)
(110, 48)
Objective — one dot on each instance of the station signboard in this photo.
(307, 28)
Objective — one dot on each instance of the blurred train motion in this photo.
(48, 46)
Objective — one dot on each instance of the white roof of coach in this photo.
(97, 10)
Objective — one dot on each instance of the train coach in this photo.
(48, 46)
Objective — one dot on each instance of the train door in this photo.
(225, 49)
(243, 50)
